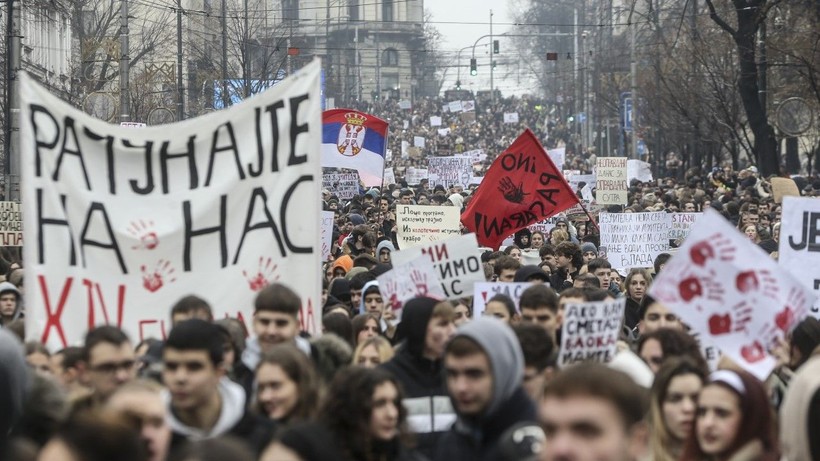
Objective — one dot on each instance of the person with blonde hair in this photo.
(372, 352)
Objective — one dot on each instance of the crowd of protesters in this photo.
(434, 383)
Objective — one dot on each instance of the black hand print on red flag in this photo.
(511, 192)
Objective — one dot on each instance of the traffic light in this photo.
(458, 84)
(495, 47)
(473, 67)
(494, 66)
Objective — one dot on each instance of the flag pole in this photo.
(581, 202)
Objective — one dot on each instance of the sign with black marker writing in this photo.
(122, 223)
(590, 331)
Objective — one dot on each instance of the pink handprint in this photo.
(419, 279)
(714, 247)
(154, 280)
(265, 274)
(759, 282)
(144, 231)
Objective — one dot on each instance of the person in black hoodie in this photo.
(484, 366)
(426, 326)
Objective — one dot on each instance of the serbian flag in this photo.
(521, 187)
(354, 140)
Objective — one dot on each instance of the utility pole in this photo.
(246, 67)
(633, 68)
(576, 72)
(224, 74)
(356, 63)
(125, 61)
(11, 143)
(492, 58)
(180, 88)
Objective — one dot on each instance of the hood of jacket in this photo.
(232, 397)
(413, 327)
(344, 262)
(6, 287)
(368, 285)
(504, 353)
(384, 244)
(798, 437)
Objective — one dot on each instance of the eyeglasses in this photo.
(112, 367)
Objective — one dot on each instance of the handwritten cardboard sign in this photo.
(589, 331)
(420, 225)
(121, 223)
(800, 243)
(511, 117)
(447, 171)
(344, 185)
(611, 184)
(457, 262)
(784, 187)
(634, 239)
(732, 293)
(11, 224)
(681, 224)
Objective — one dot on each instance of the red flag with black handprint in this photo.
(521, 187)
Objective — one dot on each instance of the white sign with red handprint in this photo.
(482, 292)
(732, 293)
(800, 243)
(409, 280)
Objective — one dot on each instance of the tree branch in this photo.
(718, 20)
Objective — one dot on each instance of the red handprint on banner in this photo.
(727, 322)
(144, 231)
(419, 279)
(753, 353)
(693, 287)
(265, 274)
(391, 286)
(154, 280)
(759, 282)
(714, 247)
(793, 311)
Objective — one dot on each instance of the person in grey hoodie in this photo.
(484, 369)
(10, 305)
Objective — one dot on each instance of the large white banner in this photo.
(122, 223)
(447, 171)
(800, 243)
(421, 224)
(634, 239)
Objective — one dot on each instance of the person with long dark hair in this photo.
(673, 406)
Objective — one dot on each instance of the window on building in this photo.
(390, 58)
(390, 82)
(353, 9)
(290, 10)
(387, 10)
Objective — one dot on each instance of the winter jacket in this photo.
(482, 437)
(430, 412)
(799, 414)
(234, 420)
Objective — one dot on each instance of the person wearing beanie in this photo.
(588, 251)
(531, 273)
(426, 326)
(484, 366)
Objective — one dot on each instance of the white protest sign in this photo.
(468, 106)
(344, 185)
(455, 106)
(435, 121)
(682, 224)
(445, 108)
(576, 180)
(11, 224)
(731, 292)
(477, 155)
(327, 233)
(589, 331)
(407, 281)
(388, 156)
(586, 193)
(447, 171)
(389, 176)
(418, 141)
(545, 225)
(800, 242)
(634, 239)
(443, 131)
(558, 157)
(511, 117)
(611, 184)
(457, 261)
(638, 169)
(405, 149)
(405, 124)
(413, 175)
(482, 292)
(421, 225)
(405, 104)
(122, 223)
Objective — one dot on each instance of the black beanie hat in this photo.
(413, 327)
